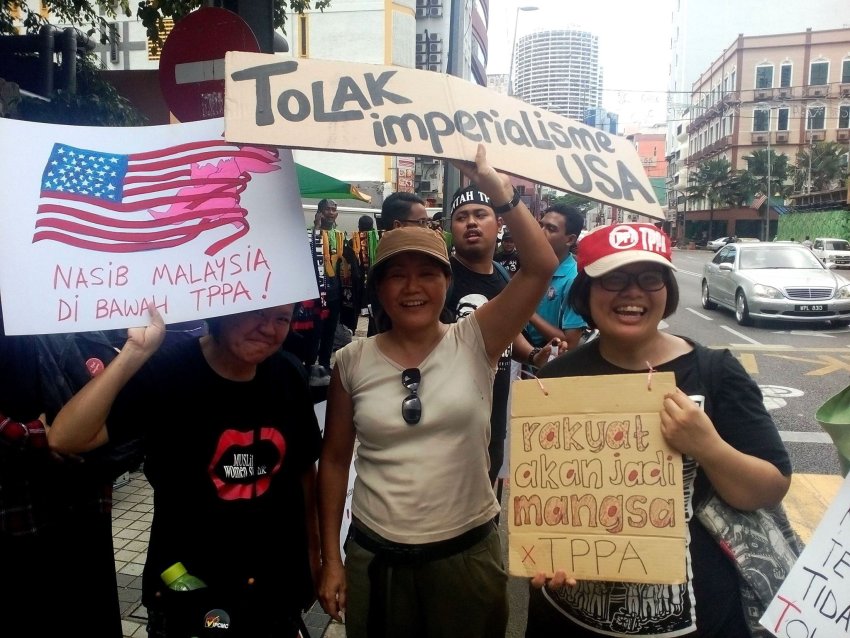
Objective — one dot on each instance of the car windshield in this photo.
(790, 257)
(836, 245)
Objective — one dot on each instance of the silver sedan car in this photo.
(775, 281)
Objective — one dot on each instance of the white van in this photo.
(834, 253)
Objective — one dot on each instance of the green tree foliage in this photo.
(94, 15)
(96, 102)
(827, 163)
(154, 12)
(715, 183)
(757, 165)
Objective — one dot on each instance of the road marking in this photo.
(805, 333)
(808, 498)
(805, 437)
(828, 364)
(699, 314)
(740, 336)
(688, 272)
(748, 360)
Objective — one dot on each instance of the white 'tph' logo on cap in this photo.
(623, 237)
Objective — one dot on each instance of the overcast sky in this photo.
(634, 47)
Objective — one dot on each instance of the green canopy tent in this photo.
(316, 185)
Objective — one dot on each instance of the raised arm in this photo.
(504, 316)
(81, 424)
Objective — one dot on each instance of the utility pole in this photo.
(766, 231)
(454, 66)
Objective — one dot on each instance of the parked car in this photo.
(834, 253)
(717, 244)
(775, 281)
(720, 242)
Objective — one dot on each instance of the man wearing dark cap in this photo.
(475, 280)
(507, 254)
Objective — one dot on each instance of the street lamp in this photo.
(513, 48)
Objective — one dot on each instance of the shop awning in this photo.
(316, 185)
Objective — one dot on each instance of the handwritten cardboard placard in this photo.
(594, 489)
(814, 600)
(98, 224)
(368, 108)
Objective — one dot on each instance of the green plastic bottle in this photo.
(177, 578)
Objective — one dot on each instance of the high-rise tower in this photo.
(559, 70)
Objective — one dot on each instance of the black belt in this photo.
(405, 554)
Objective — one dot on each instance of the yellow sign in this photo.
(595, 490)
(367, 108)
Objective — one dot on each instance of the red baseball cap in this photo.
(607, 248)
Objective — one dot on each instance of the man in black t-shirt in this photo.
(475, 280)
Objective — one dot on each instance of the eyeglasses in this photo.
(423, 223)
(411, 407)
(648, 280)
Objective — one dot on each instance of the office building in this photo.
(559, 70)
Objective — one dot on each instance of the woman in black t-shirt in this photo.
(624, 288)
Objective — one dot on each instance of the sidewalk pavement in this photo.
(132, 514)
(808, 498)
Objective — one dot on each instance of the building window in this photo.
(782, 119)
(819, 73)
(154, 48)
(761, 119)
(764, 77)
(815, 118)
(844, 116)
(785, 75)
(845, 72)
(303, 50)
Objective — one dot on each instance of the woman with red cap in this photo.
(423, 557)
(624, 288)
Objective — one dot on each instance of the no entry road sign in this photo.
(191, 68)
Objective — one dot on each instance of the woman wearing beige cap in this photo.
(423, 557)
(624, 288)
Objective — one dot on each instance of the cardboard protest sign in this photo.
(814, 600)
(595, 490)
(98, 224)
(368, 108)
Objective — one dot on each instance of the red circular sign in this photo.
(191, 67)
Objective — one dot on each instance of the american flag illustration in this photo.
(119, 203)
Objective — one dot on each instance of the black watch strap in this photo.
(534, 352)
(506, 208)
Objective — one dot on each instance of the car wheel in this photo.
(742, 311)
(707, 303)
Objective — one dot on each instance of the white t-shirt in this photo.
(426, 482)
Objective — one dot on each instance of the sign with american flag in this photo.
(100, 224)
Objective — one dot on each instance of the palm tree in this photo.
(712, 181)
(757, 165)
(767, 174)
(823, 166)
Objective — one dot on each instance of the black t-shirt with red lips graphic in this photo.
(225, 460)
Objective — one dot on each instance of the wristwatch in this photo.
(532, 354)
(506, 208)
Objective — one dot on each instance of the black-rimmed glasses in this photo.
(648, 280)
(422, 223)
(411, 407)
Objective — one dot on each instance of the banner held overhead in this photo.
(368, 108)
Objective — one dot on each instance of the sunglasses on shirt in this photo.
(411, 406)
